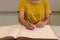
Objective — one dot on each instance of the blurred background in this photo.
(9, 15)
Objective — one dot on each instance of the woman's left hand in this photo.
(40, 24)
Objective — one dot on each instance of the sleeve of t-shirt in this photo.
(47, 7)
(21, 5)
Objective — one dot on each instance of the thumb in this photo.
(34, 26)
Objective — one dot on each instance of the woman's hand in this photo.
(40, 24)
(30, 26)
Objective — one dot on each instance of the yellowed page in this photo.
(9, 31)
(45, 32)
(21, 31)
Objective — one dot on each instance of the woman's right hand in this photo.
(30, 26)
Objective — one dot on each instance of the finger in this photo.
(41, 26)
(30, 28)
(38, 25)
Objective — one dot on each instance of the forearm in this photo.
(25, 23)
(47, 21)
(21, 19)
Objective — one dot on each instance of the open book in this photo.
(20, 31)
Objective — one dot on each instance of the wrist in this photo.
(46, 22)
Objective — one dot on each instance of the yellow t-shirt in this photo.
(34, 12)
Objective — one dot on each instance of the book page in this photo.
(45, 32)
(9, 31)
